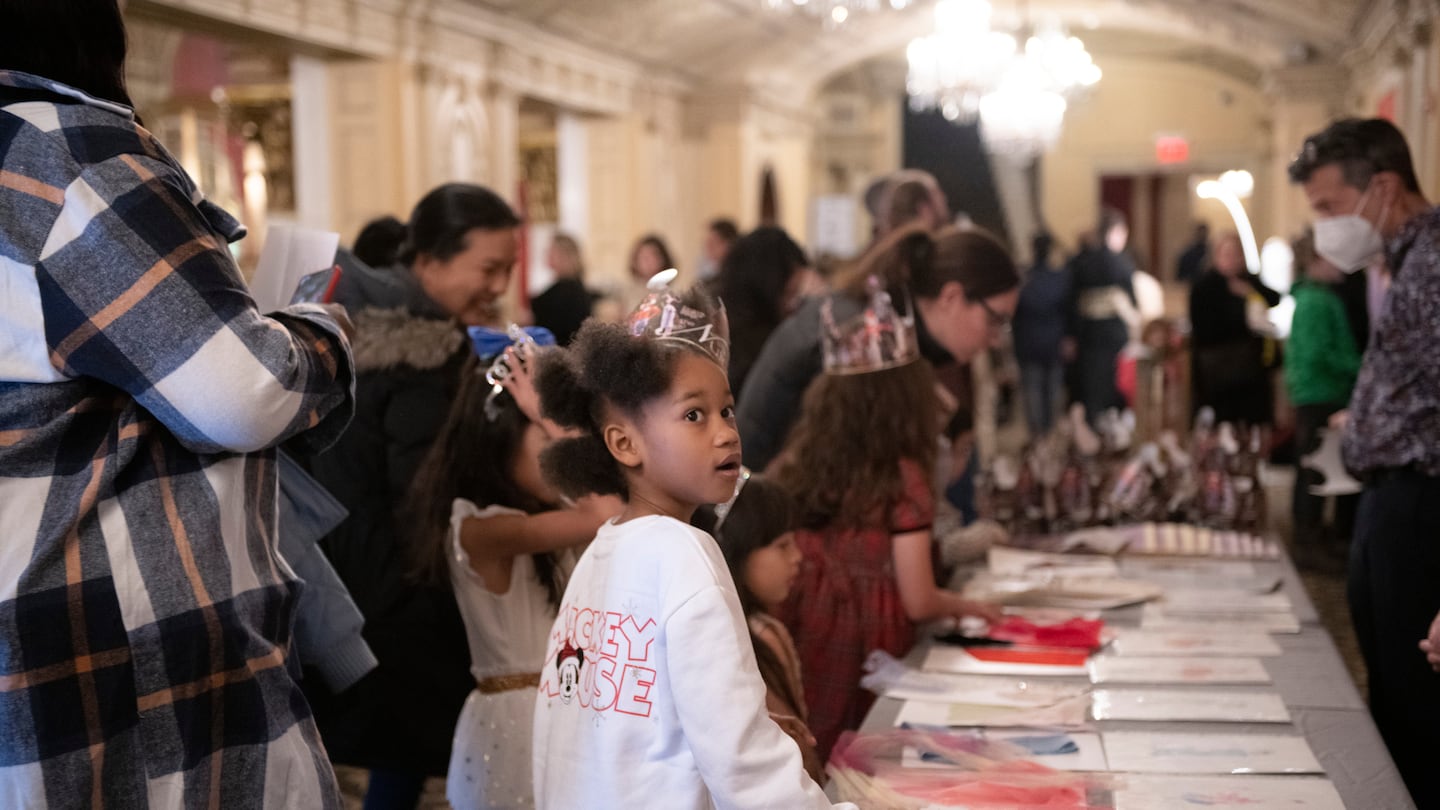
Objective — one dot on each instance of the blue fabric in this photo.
(961, 492)
(393, 790)
(327, 622)
(1040, 315)
(488, 342)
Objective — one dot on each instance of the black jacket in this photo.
(790, 360)
(408, 357)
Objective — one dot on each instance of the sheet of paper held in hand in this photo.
(291, 252)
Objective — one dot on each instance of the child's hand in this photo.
(1431, 645)
(520, 382)
(796, 729)
(983, 610)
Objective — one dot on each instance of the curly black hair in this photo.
(603, 368)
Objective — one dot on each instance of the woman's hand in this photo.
(1431, 645)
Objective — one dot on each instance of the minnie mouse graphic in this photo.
(568, 662)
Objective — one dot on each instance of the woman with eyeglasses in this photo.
(964, 286)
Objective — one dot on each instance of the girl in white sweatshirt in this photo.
(649, 695)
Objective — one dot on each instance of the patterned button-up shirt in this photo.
(145, 613)
(1395, 409)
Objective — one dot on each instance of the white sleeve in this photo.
(744, 758)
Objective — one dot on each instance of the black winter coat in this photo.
(408, 360)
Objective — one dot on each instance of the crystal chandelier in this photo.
(968, 71)
(834, 13)
(951, 69)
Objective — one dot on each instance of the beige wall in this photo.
(1113, 132)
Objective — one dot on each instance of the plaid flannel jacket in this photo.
(145, 614)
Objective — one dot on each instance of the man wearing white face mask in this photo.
(1360, 183)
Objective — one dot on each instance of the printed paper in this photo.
(1194, 705)
(1143, 752)
(1197, 670)
(1247, 792)
(1188, 642)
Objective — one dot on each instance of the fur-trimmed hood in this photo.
(387, 338)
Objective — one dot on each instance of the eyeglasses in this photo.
(722, 510)
(998, 321)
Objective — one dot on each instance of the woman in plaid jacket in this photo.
(145, 611)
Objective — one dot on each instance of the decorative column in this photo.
(1305, 99)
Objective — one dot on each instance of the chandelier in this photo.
(970, 72)
(834, 13)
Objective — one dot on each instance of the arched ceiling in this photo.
(730, 41)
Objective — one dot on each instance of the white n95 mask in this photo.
(1349, 240)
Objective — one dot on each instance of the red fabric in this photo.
(846, 603)
(1081, 634)
(1049, 656)
(1126, 369)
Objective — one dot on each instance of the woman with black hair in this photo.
(761, 281)
(965, 286)
(146, 614)
(410, 346)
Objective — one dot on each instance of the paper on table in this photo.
(957, 659)
(1158, 617)
(985, 690)
(1074, 593)
(291, 252)
(1194, 705)
(1144, 752)
(1194, 568)
(1223, 600)
(1101, 540)
(1248, 792)
(1088, 753)
(1188, 642)
(1115, 669)
(1326, 461)
(1071, 713)
(1011, 562)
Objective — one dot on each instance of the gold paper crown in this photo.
(880, 337)
(663, 316)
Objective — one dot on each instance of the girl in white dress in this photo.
(489, 522)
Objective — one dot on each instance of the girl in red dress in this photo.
(859, 466)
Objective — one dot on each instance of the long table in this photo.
(1310, 677)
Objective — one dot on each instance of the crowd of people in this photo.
(610, 556)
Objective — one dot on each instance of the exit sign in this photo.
(1171, 149)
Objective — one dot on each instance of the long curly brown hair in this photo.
(842, 463)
